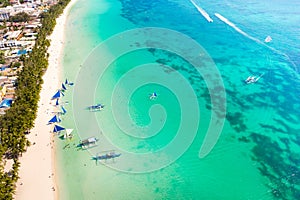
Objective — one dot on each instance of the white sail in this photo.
(268, 39)
(68, 133)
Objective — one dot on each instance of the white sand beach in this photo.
(37, 173)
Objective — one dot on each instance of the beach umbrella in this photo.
(54, 120)
(57, 129)
(58, 94)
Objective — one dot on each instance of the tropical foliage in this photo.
(20, 17)
(4, 3)
(2, 57)
(19, 119)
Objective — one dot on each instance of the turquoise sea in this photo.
(207, 134)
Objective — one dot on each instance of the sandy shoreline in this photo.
(37, 173)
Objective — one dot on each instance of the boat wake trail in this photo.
(203, 12)
(226, 21)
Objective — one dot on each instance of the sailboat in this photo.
(68, 83)
(57, 102)
(54, 119)
(57, 95)
(63, 87)
(63, 110)
(58, 129)
(67, 134)
(96, 107)
(253, 79)
(153, 96)
(106, 155)
(60, 110)
(88, 143)
(268, 39)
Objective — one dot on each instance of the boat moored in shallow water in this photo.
(153, 96)
(106, 155)
(253, 79)
(88, 143)
(96, 107)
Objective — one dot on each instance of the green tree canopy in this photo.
(20, 17)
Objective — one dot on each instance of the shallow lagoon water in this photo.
(256, 154)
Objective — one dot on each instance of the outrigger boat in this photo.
(153, 96)
(88, 143)
(96, 107)
(106, 155)
(68, 83)
(253, 79)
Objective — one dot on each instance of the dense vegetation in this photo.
(19, 119)
(2, 57)
(20, 17)
(4, 3)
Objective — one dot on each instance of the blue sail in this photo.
(58, 94)
(58, 129)
(63, 87)
(56, 103)
(68, 83)
(63, 110)
(54, 120)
